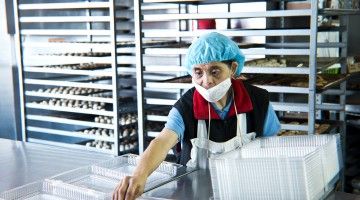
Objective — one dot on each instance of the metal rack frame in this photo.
(111, 32)
(309, 49)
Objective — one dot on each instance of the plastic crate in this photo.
(125, 165)
(268, 174)
(105, 176)
(293, 167)
(89, 178)
(329, 145)
(95, 182)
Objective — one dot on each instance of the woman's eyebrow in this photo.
(214, 67)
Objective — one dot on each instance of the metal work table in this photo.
(197, 185)
(22, 163)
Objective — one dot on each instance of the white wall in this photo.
(7, 107)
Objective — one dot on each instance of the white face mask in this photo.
(215, 93)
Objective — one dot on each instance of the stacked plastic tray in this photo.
(51, 190)
(124, 166)
(293, 167)
(91, 182)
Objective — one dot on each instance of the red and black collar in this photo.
(242, 100)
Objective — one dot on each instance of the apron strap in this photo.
(201, 129)
(241, 124)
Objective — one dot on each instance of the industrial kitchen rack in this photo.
(180, 24)
(77, 74)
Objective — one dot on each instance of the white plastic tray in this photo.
(329, 145)
(89, 178)
(294, 167)
(92, 182)
(105, 176)
(51, 190)
(125, 165)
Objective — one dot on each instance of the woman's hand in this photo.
(133, 186)
(129, 188)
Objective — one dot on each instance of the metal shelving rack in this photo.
(76, 69)
(310, 104)
(155, 67)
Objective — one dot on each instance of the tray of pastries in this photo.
(321, 126)
(323, 81)
(79, 66)
(291, 61)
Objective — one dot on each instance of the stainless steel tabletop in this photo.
(22, 163)
(197, 185)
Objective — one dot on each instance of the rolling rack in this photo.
(77, 74)
(154, 68)
(306, 99)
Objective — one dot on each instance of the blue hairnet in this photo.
(213, 47)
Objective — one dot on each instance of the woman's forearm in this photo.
(155, 153)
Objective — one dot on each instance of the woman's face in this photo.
(210, 74)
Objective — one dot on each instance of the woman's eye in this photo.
(198, 73)
(215, 72)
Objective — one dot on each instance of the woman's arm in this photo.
(133, 186)
(271, 125)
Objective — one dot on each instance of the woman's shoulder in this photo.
(186, 100)
(188, 93)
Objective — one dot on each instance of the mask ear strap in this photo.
(208, 139)
(233, 96)
(237, 116)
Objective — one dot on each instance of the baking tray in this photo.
(87, 91)
(160, 111)
(323, 82)
(322, 62)
(354, 68)
(147, 43)
(129, 43)
(321, 126)
(181, 79)
(267, 62)
(242, 45)
(127, 107)
(175, 44)
(77, 66)
(66, 115)
(297, 61)
(154, 126)
(93, 79)
(159, 43)
(103, 132)
(330, 80)
(81, 54)
(77, 104)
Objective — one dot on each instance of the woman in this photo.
(219, 114)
